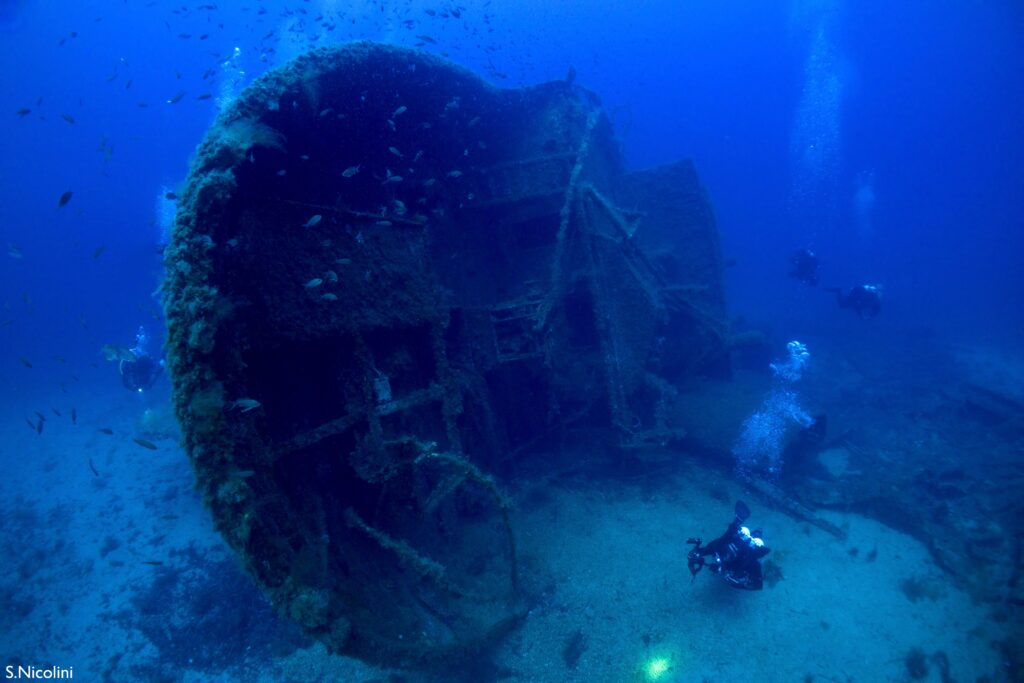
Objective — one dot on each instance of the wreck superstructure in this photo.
(420, 279)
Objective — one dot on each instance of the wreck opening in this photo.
(419, 279)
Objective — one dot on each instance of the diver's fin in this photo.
(742, 511)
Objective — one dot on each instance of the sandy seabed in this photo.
(87, 554)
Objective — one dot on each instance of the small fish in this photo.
(99, 250)
(56, 412)
(419, 155)
(155, 563)
(343, 261)
(384, 224)
(142, 105)
(473, 121)
(328, 297)
(429, 182)
(244, 474)
(74, 416)
(427, 39)
(204, 96)
(24, 111)
(331, 276)
(106, 430)
(171, 196)
(350, 171)
(93, 468)
(26, 362)
(69, 118)
(177, 97)
(314, 283)
(313, 221)
(64, 199)
(398, 112)
(14, 251)
(283, 172)
(145, 443)
(392, 179)
(454, 174)
(246, 404)
(394, 150)
(39, 427)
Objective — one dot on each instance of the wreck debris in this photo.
(519, 304)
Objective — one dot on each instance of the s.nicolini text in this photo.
(35, 673)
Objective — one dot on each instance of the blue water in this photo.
(885, 136)
(925, 102)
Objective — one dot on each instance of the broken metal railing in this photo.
(520, 180)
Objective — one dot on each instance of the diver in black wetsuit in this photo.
(866, 300)
(139, 370)
(735, 555)
(805, 267)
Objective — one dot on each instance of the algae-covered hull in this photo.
(388, 281)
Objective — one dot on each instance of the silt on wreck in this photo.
(422, 280)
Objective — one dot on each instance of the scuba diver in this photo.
(866, 300)
(139, 370)
(805, 267)
(735, 555)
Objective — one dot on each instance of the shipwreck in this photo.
(389, 282)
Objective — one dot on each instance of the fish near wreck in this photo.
(407, 371)
(245, 404)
